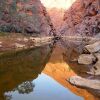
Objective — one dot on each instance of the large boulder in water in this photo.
(24, 16)
(86, 59)
(84, 82)
(92, 48)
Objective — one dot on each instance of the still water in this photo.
(39, 74)
(45, 89)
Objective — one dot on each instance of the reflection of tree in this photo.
(28, 64)
(8, 96)
(25, 87)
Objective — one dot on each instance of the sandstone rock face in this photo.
(95, 47)
(24, 16)
(82, 18)
(83, 82)
(56, 16)
(86, 59)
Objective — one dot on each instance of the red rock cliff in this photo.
(83, 18)
(24, 16)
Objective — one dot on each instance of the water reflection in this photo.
(21, 78)
(60, 67)
(25, 87)
(20, 68)
(45, 89)
(72, 50)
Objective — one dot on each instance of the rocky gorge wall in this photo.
(24, 16)
(83, 18)
(30, 16)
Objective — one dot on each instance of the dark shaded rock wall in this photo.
(24, 16)
(82, 18)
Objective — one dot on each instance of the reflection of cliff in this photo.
(22, 66)
(71, 54)
(59, 70)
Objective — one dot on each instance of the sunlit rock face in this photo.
(24, 16)
(82, 18)
(56, 9)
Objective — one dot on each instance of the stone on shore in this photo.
(86, 59)
(95, 47)
(19, 45)
(84, 82)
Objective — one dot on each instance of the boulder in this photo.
(25, 39)
(95, 47)
(86, 59)
(17, 45)
(84, 82)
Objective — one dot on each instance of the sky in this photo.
(60, 4)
